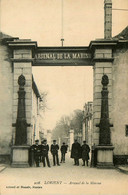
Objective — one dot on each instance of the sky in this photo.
(68, 89)
(41, 20)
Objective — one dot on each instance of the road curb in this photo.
(2, 168)
(122, 170)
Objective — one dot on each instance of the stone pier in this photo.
(71, 138)
(22, 59)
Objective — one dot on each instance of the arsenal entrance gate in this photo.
(103, 55)
(26, 54)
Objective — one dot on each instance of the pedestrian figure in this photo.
(76, 152)
(85, 153)
(44, 152)
(36, 150)
(54, 151)
(63, 152)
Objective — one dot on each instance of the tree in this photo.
(61, 129)
(66, 123)
(43, 101)
(77, 121)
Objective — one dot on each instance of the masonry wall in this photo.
(6, 91)
(117, 72)
(120, 101)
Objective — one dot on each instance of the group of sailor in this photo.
(41, 153)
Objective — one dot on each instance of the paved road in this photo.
(66, 179)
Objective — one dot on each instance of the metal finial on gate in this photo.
(62, 39)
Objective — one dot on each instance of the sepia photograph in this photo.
(63, 97)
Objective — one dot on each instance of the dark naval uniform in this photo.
(76, 152)
(63, 152)
(44, 153)
(36, 150)
(85, 153)
(54, 151)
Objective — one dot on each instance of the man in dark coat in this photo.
(36, 150)
(85, 153)
(76, 152)
(63, 152)
(54, 151)
(44, 152)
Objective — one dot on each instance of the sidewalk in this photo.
(123, 169)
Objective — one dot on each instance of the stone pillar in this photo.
(22, 59)
(91, 127)
(20, 148)
(86, 128)
(49, 134)
(105, 148)
(84, 123)
(59, 142)
(104, 125)
(71, 138)
(21, 123)
(107, 19)
(83, 131)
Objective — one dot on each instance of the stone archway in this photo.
(26, 54)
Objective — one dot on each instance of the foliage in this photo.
(77, 120)
(43, 101)
(62, 128)
(66, 123)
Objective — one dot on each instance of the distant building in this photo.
(36, 98)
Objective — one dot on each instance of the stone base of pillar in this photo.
(105, 157)
(20, 156)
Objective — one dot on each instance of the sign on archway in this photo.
(65, 56)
